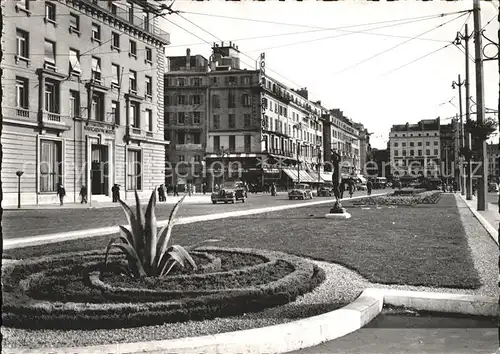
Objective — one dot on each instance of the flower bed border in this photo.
(60, 315)
(428, 197)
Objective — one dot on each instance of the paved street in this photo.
(24, 223)
(412, 335)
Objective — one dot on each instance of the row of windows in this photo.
(231, 121)
(181, 81)
(290, 148)
(419, 152)
(247, 143)
(184, 138)
(52, 104)
(196, 81)
(419, 143)
(51, 166)
(181, 118)
(288, 129)
(182, 158)
(419, 134)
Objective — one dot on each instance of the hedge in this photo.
(22, 310)
(430, 197)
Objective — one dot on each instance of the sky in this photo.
(381, 63)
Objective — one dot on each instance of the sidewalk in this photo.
(193, 199)
(490, 216)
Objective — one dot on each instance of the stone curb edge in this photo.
(490, 229)
(103, 231)
(303, 333)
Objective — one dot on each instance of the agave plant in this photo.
(149, 253)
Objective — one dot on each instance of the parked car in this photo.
(325, 191)
(492, 187)
(300, 191)
(229, 192)
(240, 186)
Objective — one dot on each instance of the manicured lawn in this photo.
(423, 245)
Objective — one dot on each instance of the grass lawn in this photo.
(423, 245)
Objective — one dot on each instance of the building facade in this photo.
(450, 164)
(83, 98)
(493, 167)
(415, 149)
(186, 85)
(343, 136)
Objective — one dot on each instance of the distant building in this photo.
(415, 149)
(83, 98)
(449, 134)
(381, 157)
(493, 167)
(186, 85)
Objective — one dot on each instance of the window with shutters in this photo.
(51, 96)
(216, 101)
(196, 138)
(216, 121)
(74, 23)
(245, 100)
(196, 117)
(96, 33)
(149, 55)
(149, 119)
(74, 62)
(181, 81)
(115, 76)
(74, 103)
(181, 138)
(246, 120)
(216, 143)
(96, 69)
(115, 112)
(149, 87)
(232, 121)
(133, 49)
(181, 100)
(22, 92)
(196, 99)
(115, 40)
(98, 106)
(50, 54)
(134, 114)
(22, 39)
(181, 118)
(231, 100)
(132, 81)
(50, 12)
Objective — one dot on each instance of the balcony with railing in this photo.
(19, 114)
(189, 146)
(138, 133)
(146, 24)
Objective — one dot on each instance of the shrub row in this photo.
(409, 191)
(430, 197)
(79, 315)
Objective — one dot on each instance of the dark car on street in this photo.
(229, 192)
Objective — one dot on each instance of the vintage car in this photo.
(229, 192)
(492, 187)
(325, 191)
(300, 191)
(240, 187)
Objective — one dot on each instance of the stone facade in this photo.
(69, 90)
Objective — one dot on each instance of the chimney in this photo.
(188, 59)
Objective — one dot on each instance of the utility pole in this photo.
(468, 145)
(460, 130)
(483, 165)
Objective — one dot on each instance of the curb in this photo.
(303, 333)
(490, 229)
(80, 234)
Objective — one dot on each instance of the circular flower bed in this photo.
(65, 291)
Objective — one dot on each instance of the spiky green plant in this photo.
(149, 253)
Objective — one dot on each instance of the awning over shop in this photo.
(305, 177)
(327, 177)
(291, 173)
(315, 177)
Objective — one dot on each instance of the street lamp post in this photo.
(19, 174)
(298, 126)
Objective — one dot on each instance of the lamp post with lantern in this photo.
(19, 174)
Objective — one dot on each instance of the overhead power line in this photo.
(396, 46)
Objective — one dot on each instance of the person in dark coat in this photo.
(115, 191)
(161, 193)
(369, 187)
(204, 188)
(83, 194)
(351, 187)
(61, 193)
(176, 194)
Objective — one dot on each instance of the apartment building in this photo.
(416, 148)
(83, 98)
(186, 85)
(342, 136)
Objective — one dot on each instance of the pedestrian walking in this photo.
(369, 187)
(176, 194)
(61, 193)
(115, 193)
(161, 194)
(273, 189)
(83, 194)
(351, 187)
(204, 188)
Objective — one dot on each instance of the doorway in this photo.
(99, 169)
